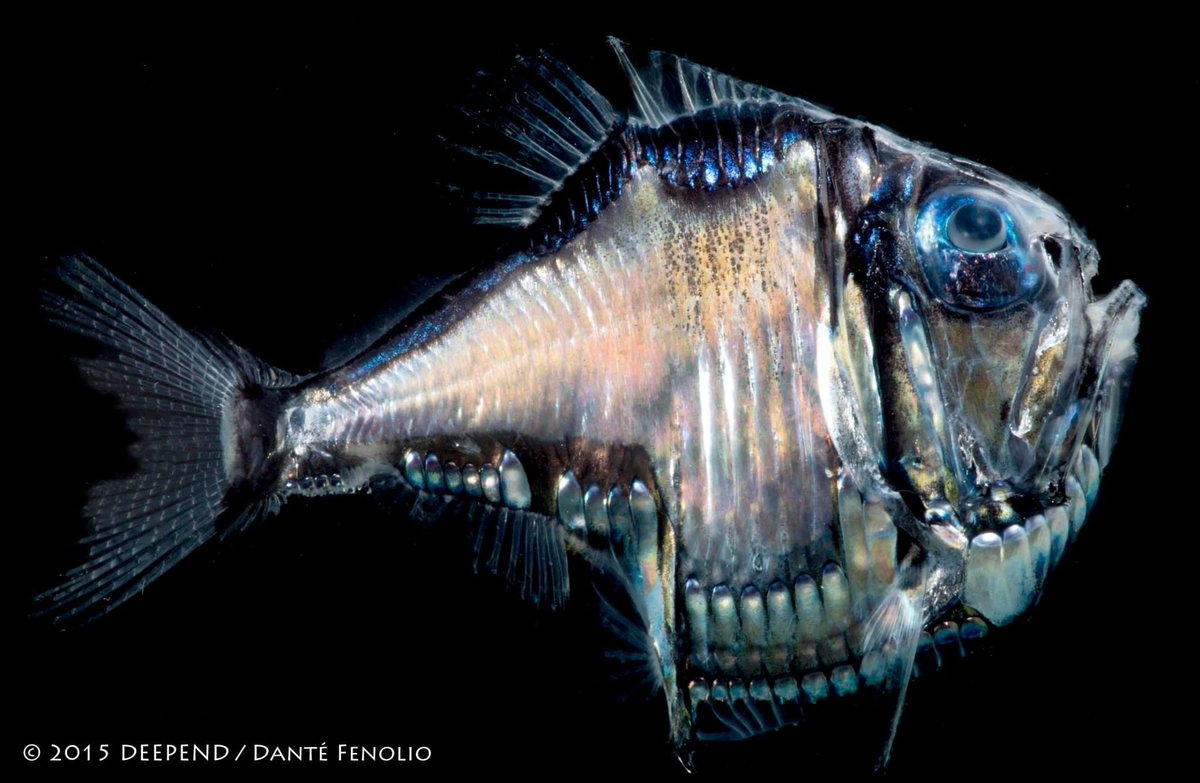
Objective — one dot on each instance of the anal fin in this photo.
(524, 547)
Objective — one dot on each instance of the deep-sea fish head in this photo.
(1001, 375)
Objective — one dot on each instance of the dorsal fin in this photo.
(549, 122)
(567, 154)
(670, 87)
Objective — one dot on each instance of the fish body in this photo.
(810, 394)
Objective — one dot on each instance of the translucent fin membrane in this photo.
(548, 123)
(178, 390)
(669, 87)
(525, 548)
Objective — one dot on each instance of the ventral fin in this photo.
(892, 633)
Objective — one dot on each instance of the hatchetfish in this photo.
(814, 400)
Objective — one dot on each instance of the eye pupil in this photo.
(977, 228)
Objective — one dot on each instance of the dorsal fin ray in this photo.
(549, 121)
(566, 152)
(670, 87)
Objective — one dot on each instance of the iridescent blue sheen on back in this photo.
(725, 146)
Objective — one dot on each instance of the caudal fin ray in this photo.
(150, 346)
(178, 391)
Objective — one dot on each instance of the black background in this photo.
(281, 186)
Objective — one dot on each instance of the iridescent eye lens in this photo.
(970, 247)
(977, 228)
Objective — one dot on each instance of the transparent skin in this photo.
(802, 413)
(846, 407)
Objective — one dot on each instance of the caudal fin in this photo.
(181, 393)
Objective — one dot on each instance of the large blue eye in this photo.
(972, 252)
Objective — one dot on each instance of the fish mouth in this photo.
(1019, 539)
(1016, 538)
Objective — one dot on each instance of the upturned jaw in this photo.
(1114, 321)
(1016, 540)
